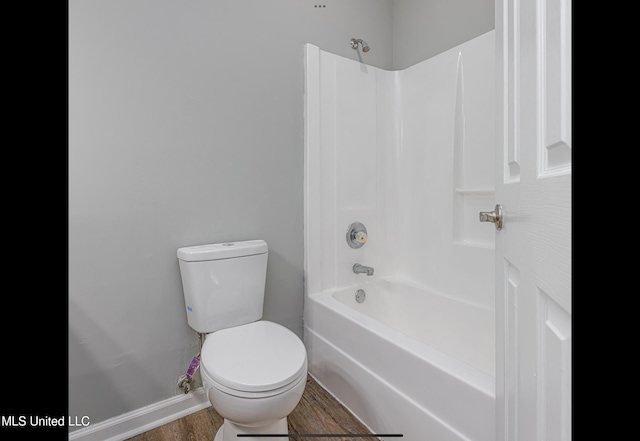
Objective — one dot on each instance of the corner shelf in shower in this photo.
(476, 191)
(474, 244)
(468, 202)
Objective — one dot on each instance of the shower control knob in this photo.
(356, 235)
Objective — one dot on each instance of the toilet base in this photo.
(229, 431)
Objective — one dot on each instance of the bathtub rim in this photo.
(464, 372)
(403, 280)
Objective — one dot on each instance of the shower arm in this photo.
(354, 44)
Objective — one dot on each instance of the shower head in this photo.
(355, 42)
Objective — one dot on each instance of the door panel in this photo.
(533, 248)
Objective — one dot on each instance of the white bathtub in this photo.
(405, 361)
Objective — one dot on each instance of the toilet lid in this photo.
(255, 357)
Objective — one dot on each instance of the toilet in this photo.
(254, 371)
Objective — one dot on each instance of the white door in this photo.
(533, 248)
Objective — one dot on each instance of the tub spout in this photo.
(361, 269)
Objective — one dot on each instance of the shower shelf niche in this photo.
(476, 191)
(467, 231)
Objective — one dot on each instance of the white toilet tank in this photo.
(223, 283)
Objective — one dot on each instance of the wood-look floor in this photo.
(317, 413)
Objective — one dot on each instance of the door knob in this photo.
(494, 216)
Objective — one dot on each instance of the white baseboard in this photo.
(146, 418)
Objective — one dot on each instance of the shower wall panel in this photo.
(349, 118)
(410, 154)
(446, 171)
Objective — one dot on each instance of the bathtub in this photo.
(405, 361)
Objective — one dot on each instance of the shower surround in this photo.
(409, 154)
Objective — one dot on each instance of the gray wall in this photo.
(424, 28)
(186, 127)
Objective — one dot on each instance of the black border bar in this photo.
(319, 435)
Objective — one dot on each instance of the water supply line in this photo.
(184, 381)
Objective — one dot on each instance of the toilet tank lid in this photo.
(225, 250)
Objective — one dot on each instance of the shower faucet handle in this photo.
(356, 235)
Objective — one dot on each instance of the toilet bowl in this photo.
(254, 371)
(254, 376)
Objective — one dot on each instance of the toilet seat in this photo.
(244, 394)
(258, 359)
